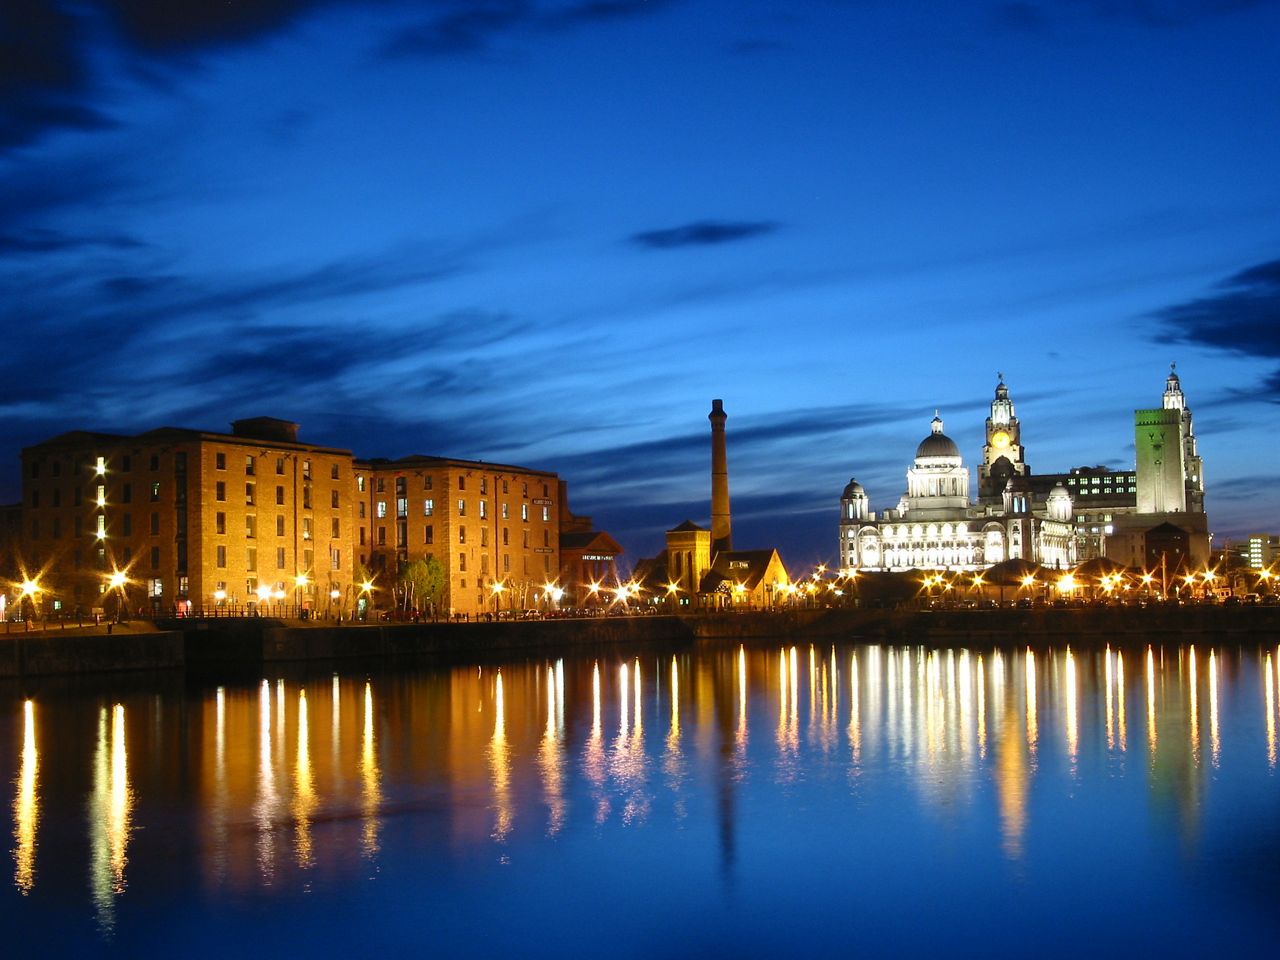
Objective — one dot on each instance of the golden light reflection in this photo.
(628, 760)
(673, 737)
(370, 777)
(982, 708)
(1214, 744)
(26, 804)
(593, 759)
(741, 733)
(335, 726)
(500, 766)
(110, 812)
(265, 805)
(1110, 695)
(855, 717)
(1012, 783)
(1269, 687)
(549, 765)
(1033, 732)
(1194, 705)
(624, 700)
(1122, 729)
(1073, 729)
(304, 793)
(1151, 704)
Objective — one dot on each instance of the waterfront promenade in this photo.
(219, 645)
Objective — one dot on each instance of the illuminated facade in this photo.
(189, 518)
(1136, 517)
(936, 526)
(178, 520)
(494, 527)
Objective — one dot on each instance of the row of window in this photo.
(402, 486)
(282, 556)
(99, 465)
(251, 526)
(251, 494)
(250, 466)
(429, 509)
(100, 526)
(97, 495)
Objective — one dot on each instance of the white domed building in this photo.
(936, 526)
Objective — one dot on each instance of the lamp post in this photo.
(497, 589)
(299, 584)
(30, 593)
(115, 584)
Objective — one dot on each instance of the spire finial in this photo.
(1000, 376)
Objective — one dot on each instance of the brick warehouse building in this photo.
(257, 519)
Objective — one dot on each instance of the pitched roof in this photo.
(686, 527)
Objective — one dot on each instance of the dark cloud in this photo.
(469, 26)
(1241, 315)
(44, 81)
(52, 241)
(165, 25)
(591, 11)
(1030, 16)
(703, 233)
(460, 32)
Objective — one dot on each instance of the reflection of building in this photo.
(1136, 517)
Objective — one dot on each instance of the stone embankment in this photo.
(1119, 626)
(225, 645)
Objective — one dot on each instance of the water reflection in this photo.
(26, 804)
(538, 750)
(110, 809)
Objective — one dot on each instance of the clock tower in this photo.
(1002, 455)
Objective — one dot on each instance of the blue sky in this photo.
(549, 233)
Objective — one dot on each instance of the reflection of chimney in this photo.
(721, 532)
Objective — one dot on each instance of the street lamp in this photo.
(299, 584)
(497, 588)
(30, 591)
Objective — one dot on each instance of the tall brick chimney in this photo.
(721, 529)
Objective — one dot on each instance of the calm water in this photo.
(763, 801)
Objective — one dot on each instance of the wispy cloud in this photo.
(468, 27)
(702, 233)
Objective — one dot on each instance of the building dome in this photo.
(937, 444)
(854, 489)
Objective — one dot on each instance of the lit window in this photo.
(380, 509)
(428, 507)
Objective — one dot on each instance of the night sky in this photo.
(549, 233)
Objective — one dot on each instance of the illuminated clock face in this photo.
(1000, 439)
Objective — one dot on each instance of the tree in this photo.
(423, 582)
